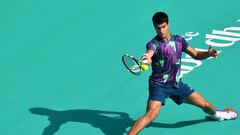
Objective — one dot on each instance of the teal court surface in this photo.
(61, 71)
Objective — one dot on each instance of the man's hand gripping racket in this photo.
(135, 66)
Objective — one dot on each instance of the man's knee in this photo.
(152, 114)
(153, 109)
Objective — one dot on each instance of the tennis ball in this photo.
(144, 67)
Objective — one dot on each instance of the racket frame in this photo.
(135, 60)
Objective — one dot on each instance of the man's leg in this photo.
(196, 99)
(152, 112)
(226, 114)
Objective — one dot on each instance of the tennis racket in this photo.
(132, 64)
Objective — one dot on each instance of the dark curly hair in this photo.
(160, 18)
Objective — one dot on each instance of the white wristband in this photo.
(145, 61)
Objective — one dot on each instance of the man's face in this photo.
(162, 29)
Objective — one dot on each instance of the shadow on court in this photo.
(109, 122)
(179, 124)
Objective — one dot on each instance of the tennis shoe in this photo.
(226, 114)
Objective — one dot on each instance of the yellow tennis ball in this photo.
(144, 67)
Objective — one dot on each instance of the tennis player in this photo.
(164, 54)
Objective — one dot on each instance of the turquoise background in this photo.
(61, 71)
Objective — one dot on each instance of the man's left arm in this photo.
(201, 55)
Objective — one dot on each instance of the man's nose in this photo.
(161, 30)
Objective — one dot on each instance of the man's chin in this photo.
(160, 36)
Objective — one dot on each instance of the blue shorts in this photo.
(160, 93)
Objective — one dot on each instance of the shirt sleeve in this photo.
(184, 44)
(151, 46)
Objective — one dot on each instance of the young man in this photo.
(164, 54)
